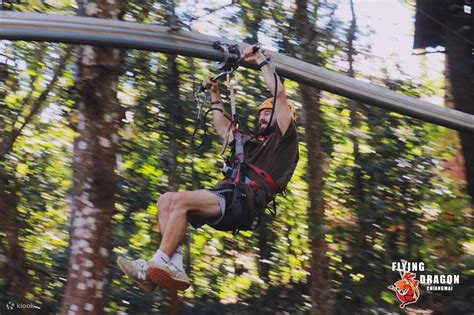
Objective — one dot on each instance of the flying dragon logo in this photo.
(406, 289)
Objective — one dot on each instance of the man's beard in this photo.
(266, 131)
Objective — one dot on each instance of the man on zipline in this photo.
(238, 201)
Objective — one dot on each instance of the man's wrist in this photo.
(261, 59)
(263, 63)
(216, 98)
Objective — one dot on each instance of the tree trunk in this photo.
(174, 134)
(174, 122)
(94, 171)
(319, 286)
(174, 128)
(459, 87)
(265, 235)
(360, 245)
(320, 289)
(16, 276)
(358, 182)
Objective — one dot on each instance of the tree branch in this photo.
(27, 99)
(210, 11)
(38, 103)
(426, 52)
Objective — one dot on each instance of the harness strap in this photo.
(271, 182)
(231, 82)
(233, 127)
(239, 175)
(226, 139)
(239, 145)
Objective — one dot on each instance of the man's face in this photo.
(264, 118)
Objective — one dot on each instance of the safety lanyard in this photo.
(233, 127)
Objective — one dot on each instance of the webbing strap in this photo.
(273, 184)
(231, 81)
(226, 139)
(233, 124)
(239, 145)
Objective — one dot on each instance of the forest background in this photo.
(90, 137)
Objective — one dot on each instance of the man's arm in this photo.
(221, 122)
(281, 110)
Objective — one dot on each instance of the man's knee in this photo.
(164, 201)
(180, 202)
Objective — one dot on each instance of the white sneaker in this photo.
(136, 271)
(167, 276)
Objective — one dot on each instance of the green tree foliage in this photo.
(392, 200)
(33, 190)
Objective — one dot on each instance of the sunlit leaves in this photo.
(409, 205)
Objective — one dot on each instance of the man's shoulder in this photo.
(291, 132)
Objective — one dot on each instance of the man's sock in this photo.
(160, 258)
(177, 258)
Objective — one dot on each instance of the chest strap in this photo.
(268, 179)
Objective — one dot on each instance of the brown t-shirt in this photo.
(277, 155)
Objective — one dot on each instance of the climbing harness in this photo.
(235, 168)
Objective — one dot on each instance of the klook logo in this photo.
(13, 306)
(10, 306)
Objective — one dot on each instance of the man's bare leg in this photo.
(200, 202)
(136, 268)
(173, 211)
(163, 205)
(172, 217)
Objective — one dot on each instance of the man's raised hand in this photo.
(211, 85)
(251, 53)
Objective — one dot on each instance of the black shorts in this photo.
(234, 215)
